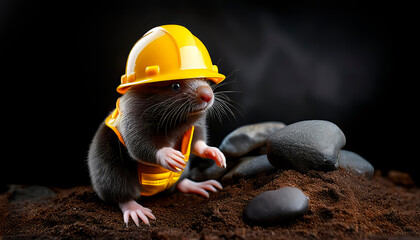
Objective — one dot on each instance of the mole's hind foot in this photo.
(134, 210)
(200, 188)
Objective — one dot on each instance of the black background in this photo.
(354, 64)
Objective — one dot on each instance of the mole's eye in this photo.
(176, 86)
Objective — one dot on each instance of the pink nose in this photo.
(205, 93)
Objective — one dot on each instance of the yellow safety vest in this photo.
(153, 178)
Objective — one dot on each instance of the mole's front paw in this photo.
(200, 188)
(135, 210)
(215, 154)
(170, 159)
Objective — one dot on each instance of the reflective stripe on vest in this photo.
(153, 178)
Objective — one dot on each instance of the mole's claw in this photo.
(126, 217)
(135, 218)
(142, 216)
(135, 211)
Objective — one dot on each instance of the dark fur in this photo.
(153, 116)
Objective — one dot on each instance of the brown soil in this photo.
(342, 206)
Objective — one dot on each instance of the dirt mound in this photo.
(342, 206)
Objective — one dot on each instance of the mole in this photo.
(143, 146)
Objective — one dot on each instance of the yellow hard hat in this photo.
(165, 53)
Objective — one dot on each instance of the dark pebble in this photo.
(21, 193)
(273, 207)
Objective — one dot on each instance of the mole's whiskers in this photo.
(224, 107)
(172, 111)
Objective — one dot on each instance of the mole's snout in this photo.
(205, 93)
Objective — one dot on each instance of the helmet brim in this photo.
(182, 74)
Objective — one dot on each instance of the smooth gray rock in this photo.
(306, 145)
(355, 164)
(277, 206)
(248, 167)
(247, 138)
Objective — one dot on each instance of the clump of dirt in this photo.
(342, 206)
